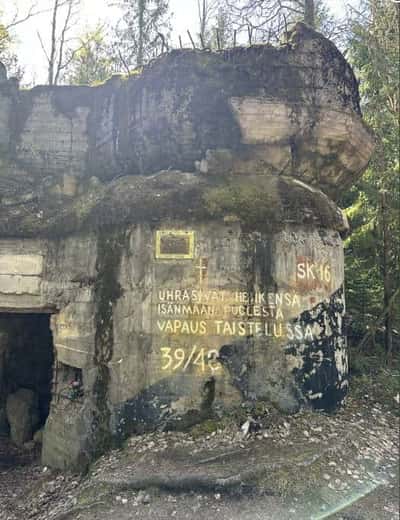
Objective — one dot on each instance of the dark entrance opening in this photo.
(26, 369)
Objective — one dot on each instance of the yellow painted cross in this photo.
(203, 268)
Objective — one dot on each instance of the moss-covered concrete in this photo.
(184, 105)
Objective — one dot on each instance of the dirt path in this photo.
(309, 466)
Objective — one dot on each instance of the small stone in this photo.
(250, 426)
(143, 498)
(245, 428)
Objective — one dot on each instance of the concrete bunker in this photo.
(182, 229)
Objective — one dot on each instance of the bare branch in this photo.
(191, 39)
(62, 41)
(201, 40)
(70, 58)
(31, 12)
(56, 55)
(123, 61)
(250, 33)
(53, 43)
(43, 47)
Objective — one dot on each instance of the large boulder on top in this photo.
(289, 111)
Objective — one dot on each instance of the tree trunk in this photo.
(64, 31)
(140, 53)
(381, 318)
(387, 289)
(53, 43)
(309, 13)
(203, 20)
(202, 12)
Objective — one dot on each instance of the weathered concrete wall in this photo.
(180, 227)
(241, 313)
(279, 111)
(230, 315)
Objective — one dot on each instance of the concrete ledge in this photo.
(25, 265)
(16, 284)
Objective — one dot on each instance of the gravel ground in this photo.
(307, 466)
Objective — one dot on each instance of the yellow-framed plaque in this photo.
(174, 244)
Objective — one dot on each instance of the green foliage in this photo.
(374, 54)
(222, 33)
(7, 56)
(4, 38)
(93, 61)
(142, 32)
(248, 203)
(218, 30)
(205, 428)
(373, 381)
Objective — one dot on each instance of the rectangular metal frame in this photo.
(160, 234)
